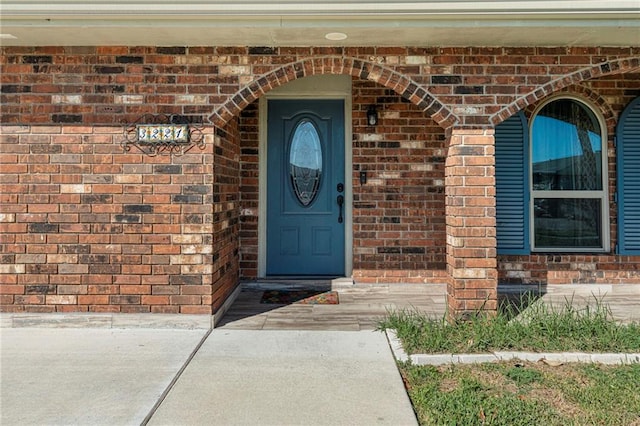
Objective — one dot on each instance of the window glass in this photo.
(568, 195)
(567, 148)
(567, 222)
(305, 162)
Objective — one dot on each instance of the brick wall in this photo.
(398, 215)
(104, 85)
(226, 205)
(88, 227)
(249, 191)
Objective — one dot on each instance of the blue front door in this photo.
(305, 188)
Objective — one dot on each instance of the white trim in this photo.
(262, 188)
(314, 87)
(75, 9)
(602, 195)
(303, 23)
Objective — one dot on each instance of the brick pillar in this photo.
(226, 213)
(471, 223)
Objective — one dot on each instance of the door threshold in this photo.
(298, 278)
(291, 283)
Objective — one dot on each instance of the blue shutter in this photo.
(628, 134)
(512, 185)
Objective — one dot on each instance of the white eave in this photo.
(304, 23)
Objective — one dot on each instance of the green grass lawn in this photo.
(521, 326)
(522, 393)
(511, 393)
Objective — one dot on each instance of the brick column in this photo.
(226, 213)
(471, 223)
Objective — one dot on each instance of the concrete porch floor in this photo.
(362, 306)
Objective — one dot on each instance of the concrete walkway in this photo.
(87, 376)
(81, 376)
(245, 377)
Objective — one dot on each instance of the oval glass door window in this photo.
(305, 162)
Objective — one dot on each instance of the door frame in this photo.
(313, 87)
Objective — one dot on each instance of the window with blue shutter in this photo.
(512, 185)
(569, 199)
(628, 156)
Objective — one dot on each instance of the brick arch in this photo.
(587, 94)
(365, 70)
(616, 66)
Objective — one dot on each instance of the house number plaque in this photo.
(178, 133)
(163, 134)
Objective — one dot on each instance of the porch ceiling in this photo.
(305, 23)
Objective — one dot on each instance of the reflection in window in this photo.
(567, 148)
(305, 162)
(567, 179)
(567, 222)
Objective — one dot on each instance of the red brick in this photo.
(71, 308)
(135, 289)
(165, 309)
(11, 289)
(185, 300)
(93, 300)
(196, 309)
(155, 300)
(105, 308)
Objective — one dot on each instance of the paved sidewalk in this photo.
(245, 377)
(87, 376)
(81, 376)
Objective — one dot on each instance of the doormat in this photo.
(305, 297)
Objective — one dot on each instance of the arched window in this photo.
(569, 207)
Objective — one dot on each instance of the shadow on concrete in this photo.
(513, 299)
(250, 304)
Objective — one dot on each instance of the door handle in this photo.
(340, 200)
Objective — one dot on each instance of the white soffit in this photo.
(305, 23)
